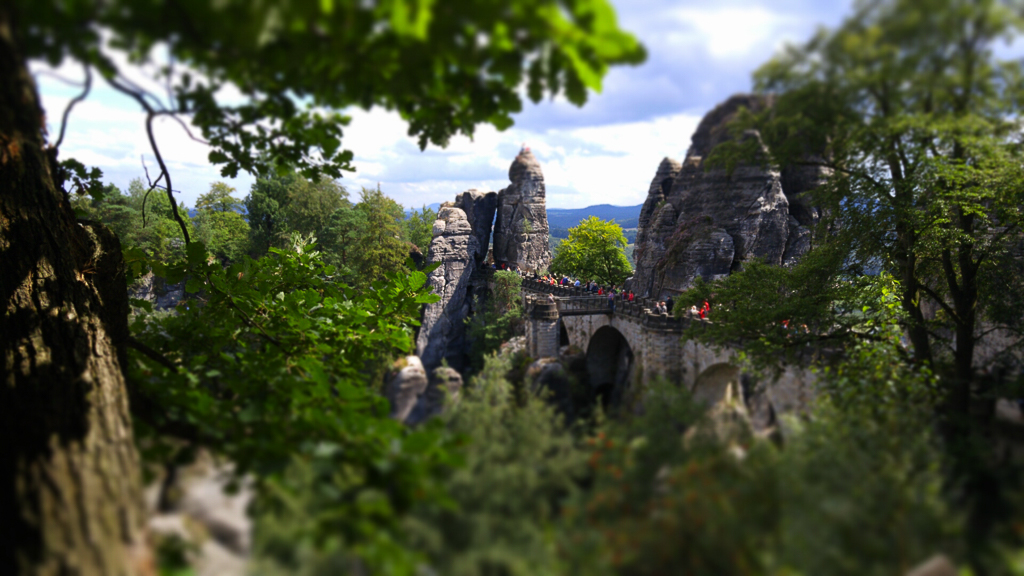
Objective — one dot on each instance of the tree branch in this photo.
(167, 178)
(938, 300)
(184, 126)
(140, 97)
(152, 185)
(996, 241)
(846, 171)
(75, 100)
(151, 354)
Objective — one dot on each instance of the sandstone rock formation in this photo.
(455, 247)
(158, 292)
(406, 382)
(462, 233)
(445, 386)
(548, 377)
(707, 223)
(521, 226)
(479, 208)
(191, 505)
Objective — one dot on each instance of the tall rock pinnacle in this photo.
(443, 331)
(521, 226)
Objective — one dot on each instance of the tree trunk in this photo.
(910, 299)
(965, 303)
(70, 487)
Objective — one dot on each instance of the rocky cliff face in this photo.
(462, 232)
(479, 208)
(155, 290)
(455, 247)
(707, 223)
(521, 226)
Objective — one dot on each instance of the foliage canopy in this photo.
(913, 115)
(445, 67)
(595, 250)
(276, 343)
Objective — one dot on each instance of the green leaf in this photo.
(194, 284)
(196, 253)
(140, 303)
(417, 280)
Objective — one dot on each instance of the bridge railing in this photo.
(572, 299)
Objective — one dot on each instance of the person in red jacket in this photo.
(600, 291)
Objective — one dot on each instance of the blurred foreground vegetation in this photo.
(299, 298)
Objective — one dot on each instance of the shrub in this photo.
(520, 464)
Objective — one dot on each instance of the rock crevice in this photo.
(517, 218)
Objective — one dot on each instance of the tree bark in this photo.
(70, 485)
(962, 283)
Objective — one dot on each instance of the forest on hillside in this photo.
(363, 240)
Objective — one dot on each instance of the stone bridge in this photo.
(632, 345)
(627, 345)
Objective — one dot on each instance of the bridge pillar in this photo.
(542, 329)
(662, 351)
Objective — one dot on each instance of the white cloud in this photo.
(111, 134)
(600, 164)
(605, 153)
(727, 32)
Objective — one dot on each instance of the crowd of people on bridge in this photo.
(616, 293)
(613, 292)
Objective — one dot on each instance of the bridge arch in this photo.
(713, 383)
(560, 315)
(609, 365)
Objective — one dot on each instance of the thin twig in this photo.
(151, 354)
(181, 123)
(56, 76)
(152, 185)
(150, 113)
(75, 100)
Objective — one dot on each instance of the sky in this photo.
(699, 53)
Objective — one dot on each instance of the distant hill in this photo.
(561, 219)
(435, 207)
